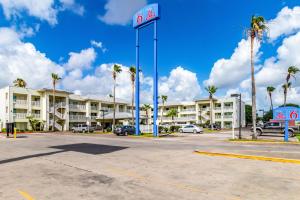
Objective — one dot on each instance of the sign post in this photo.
(286, 114)
(146, 16)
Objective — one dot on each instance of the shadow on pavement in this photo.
(87, 148)
(90, 148)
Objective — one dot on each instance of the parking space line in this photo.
(26, 195)
(250, 157)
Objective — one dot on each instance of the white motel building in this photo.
(17, 104)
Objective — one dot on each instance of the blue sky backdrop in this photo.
(200, 43)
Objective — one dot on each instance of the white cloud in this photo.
(227, 73)
(180, 85)
(73, 6)
(45, 10)
(82, 60)
(287, 22)
(120, 12)
(23, 60)
(98, 45)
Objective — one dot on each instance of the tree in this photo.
(132, 71)
(146, 108)
(172, 113)
(55, 79)
(211, 90)
(248, 112)
(292, 71)
(116, 70)
(164, 99)
(291, 105)
(267, 116)
(256, 30)
(285, 87)
(270, 90)
(20, 83)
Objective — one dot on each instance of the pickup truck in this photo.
(83, 128)
(274, 128)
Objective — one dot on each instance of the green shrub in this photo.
(108, 129)
(174, 129)
(163, 129)
(3, 130)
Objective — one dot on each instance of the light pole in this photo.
(240, 113)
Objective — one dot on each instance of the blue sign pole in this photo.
(137, 86)
(286, 131)
(155, 96)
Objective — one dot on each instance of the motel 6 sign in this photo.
(145, 15)
(286, 113)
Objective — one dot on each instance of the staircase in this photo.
(204, 115)
(58, 115)
(56, 125)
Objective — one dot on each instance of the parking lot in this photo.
(67, 167)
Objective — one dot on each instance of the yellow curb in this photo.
(26, 195)
(265, 142)
(251, 157)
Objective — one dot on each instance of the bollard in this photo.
(15, 133)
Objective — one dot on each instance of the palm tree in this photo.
(211, 90)
(146, 108)
(55, 79)
(20, 83)
(270, 90)
(164, 99)
(132, 71)
(285, 87)
(292, 71)
(116, 70)
(172, 113)
(256, 30)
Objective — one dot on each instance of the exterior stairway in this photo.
(58, 115)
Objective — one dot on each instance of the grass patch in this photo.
(100, 132)
(298, 136)
(207, 130)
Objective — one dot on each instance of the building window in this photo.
(6, 109)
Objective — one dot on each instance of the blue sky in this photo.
(193, 34)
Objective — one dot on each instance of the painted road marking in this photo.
(26, 195)
(251, 157)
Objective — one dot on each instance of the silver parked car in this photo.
(191, 129)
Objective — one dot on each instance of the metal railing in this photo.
(94, 108)
(228, 107)
(36, 103)
(76, 106)
(36, 116)
(20, 102)
(77, 117)
(20, 115)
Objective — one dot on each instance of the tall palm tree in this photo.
(211, 90)
(132, 71)
(172, 113)
(285, 87)
(146, 108)
(20, 83)
(116, 70)
(55, 79)
(270, 90)
(164, 99)
(256, 30)
(292, 71)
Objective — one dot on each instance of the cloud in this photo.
(227, 73)
(73, 6)
(98, 45)
(44, 10)
(286, 22)
(23, 60)
(120, 12)
(82, 60)
(180, 85)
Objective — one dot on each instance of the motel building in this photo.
(17, 104)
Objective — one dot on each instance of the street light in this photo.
(240, 113)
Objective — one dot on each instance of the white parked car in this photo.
(191, 129)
